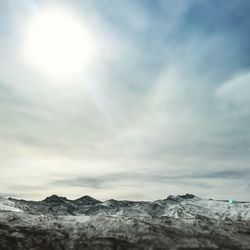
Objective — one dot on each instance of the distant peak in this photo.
(187, 196)
(178, 197)
(86, 199)
(55, 198)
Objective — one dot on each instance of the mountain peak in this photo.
(187, 196)
(87, 200)
(178, 197)
(55, 199)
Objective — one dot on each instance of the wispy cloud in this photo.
(165, 105)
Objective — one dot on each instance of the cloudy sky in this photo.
(134, 99)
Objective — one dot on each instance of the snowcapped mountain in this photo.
(183, 206)
(177, 222)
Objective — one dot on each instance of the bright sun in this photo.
(57, 44)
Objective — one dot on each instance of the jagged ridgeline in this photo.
(176, 222)
(181, 206)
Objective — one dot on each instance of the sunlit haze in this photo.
(57, 43)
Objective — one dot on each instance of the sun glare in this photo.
(57, 44)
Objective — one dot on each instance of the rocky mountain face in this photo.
(177, 222)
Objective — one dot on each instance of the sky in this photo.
(132, 99)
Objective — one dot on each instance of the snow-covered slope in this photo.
(213, 209)
(182, 207)
(7, 205)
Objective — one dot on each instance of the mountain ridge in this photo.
(186, 206)
(175, 223)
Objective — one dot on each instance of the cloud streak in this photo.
(165, 107)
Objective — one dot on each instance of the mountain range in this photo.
(176, 222)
